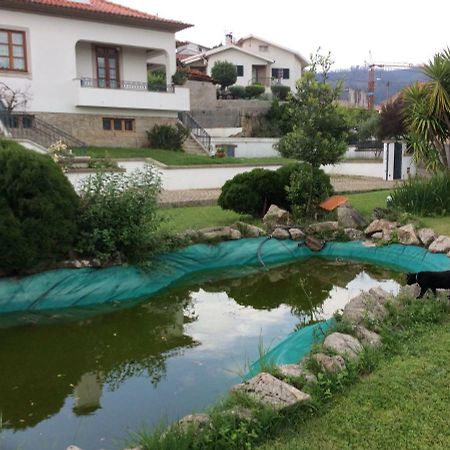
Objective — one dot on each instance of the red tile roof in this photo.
(102, 7)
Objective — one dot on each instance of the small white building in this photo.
(84, 65)
(397, 162)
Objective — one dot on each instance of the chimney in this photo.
(229, 38)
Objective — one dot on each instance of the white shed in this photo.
(397, 163)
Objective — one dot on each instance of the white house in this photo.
(257, 60)
(84, 64)
(287, 65)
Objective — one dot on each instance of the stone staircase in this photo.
(191, 145)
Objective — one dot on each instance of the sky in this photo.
(397, 31)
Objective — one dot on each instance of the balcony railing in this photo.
(125, 85)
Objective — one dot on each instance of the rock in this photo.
(281, 233)
(296, 234)
(367, 337)
(349, 217)
(235, 234)
(377, 235)
(354, 234)
(407, 235)
(426, 236)
(380, 295)
(321, 227)
(71, 264)
(272, 391)
(198, 420)
(297, 371)
(366, 305)
(248, 230)
(332, 364)
(380, 225)
(343, 344)
(275, 216)
(440, 245)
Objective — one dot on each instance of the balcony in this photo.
(90, 92)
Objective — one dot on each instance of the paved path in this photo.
(341, 183)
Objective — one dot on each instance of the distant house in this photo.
(84, 64)
(256, 61)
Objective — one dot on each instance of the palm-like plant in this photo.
(427, 114)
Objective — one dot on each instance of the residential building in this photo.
(83, 65)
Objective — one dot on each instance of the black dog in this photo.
(429, 280)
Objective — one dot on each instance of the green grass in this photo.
(173, 158)
(404, 404)
(196, 217)
(365, 202)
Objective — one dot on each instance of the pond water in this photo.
(90, 381)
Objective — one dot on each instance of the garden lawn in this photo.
(173, 158)
(403, 404)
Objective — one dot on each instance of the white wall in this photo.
(250, 147)
(357, 169)
(283, 59)
(408, 166)
(52, 55)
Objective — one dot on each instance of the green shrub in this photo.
(117, 220)
(237, 91)
(253, 90)
(169, 137)
(38, 210)
(224, 73)
(308, 187)
(424, 197)
(180, 76)
(280, 92)
(157, 80)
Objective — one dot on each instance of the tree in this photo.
(319, 135)
(427, 114)
(13, 98)
(224, 73)
(391, 124)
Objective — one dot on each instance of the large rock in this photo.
(367, 337)
(407, 235)
(383, 226)
(349, 217)
(332, 364)
(198, 421)
(272, 391)
(440, 245)
(281, 233)
(276, 216)
(218, 234)
(296, 234)
(367, 305)
(343, 344)
(248, 230)
(235, 234)
(321, 227)
(426, 236)
(354, 234)
(297, 371)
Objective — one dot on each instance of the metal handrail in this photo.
(86, 82)
(196, 129)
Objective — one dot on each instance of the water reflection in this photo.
(164, 358)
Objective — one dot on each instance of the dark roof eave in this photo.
(74, 13)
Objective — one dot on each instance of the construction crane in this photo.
(371, 82)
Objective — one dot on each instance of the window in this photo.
(12, 50)
(263, 48)
(240, 71)
(280, 74)
(117, 124)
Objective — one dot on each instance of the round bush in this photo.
(279, 91)
(38, 210)
(237, 91)
(253, 90)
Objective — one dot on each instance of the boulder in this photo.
(297, 371)
(248, 230)
(296, 234)
(332, 364)
(276, 215)
(367, 337)
(272, 391)
(198, 420)
(383, 226)
(377, 235)
(343, 344)
(349, 217)
(281, 233)
(426, 236)
(218, 234)
(366, 305)
(354, 234)
(407, 235)
(321, 227)
(235, 234)
(440, 245)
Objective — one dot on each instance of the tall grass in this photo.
(424, 197)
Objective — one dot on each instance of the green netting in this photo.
(69, 288)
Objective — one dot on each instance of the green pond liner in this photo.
(100, 290)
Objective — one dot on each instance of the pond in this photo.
(90, 381)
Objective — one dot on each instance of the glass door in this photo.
(107, 59)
